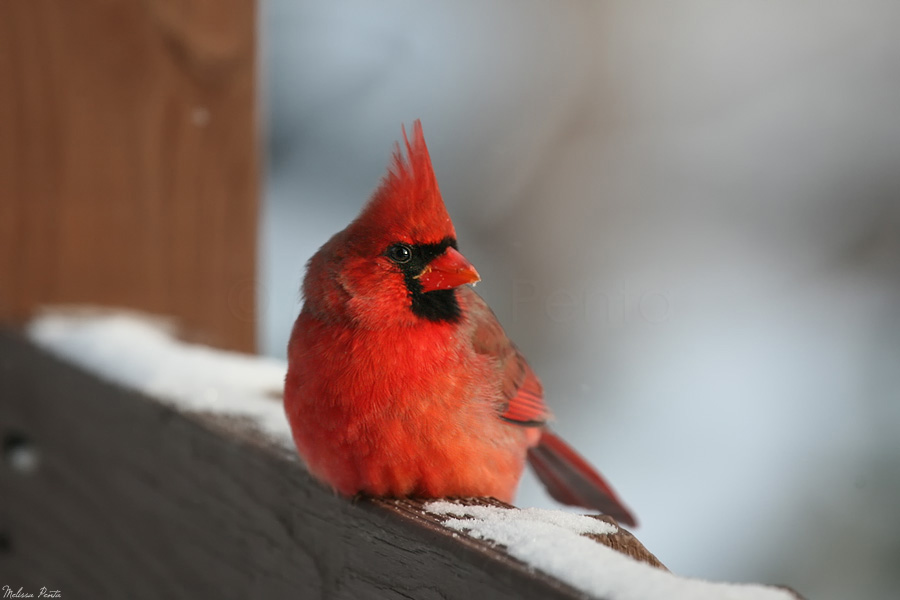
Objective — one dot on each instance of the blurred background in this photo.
(687, 215)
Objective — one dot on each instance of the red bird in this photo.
(401, 381)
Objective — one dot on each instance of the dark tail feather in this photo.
(571, 480)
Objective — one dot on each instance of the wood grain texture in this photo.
(132, 499)
(129, 160)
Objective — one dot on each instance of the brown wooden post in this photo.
(129, 160)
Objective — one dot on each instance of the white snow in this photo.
(575, 523)
(140, 353)
(551, 542)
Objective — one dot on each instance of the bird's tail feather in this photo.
(571, 480)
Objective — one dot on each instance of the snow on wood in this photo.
(141, 353)
(552, 542)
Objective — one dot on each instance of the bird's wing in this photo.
(567, 476)
(522, 391)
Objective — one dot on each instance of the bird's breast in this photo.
(394, 412)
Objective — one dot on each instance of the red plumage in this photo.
(401, 381)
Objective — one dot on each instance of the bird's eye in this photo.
(400, 253)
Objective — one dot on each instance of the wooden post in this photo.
(129, 160)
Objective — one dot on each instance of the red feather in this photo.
(407, 206)
(571, 480)
(527, 406)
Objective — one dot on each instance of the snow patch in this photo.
(141, 353)
(577, 524)
(552, 542)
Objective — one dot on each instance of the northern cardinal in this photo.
(401, 381)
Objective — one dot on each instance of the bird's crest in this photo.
(407, 206)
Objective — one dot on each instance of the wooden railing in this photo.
(110, 494)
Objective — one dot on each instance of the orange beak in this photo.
(449, 270)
